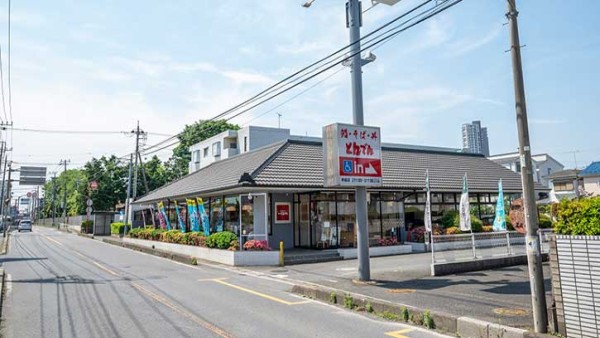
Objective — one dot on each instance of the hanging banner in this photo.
(179, 218)
(428, 226)
(193, 214)
(465, 209)
(161, 208)
(161, 219)
(500, 219)
(204, 217)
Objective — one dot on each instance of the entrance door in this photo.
(302, 222)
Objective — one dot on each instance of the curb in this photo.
(155, 252)
(5, 244)
(464, 327)
(2, 289)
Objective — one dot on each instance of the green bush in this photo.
(451, 218)
(87, 227)
(136, 233)
(348, 301)
(578, 217)
(118, 228)
(428, 320)
(221, 240)
(448, 219)
(404, 314)
(545, 222)
(333, 297)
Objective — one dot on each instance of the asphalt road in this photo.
(62, 285)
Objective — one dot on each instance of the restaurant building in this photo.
(276, 193)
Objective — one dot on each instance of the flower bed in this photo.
(220, 240)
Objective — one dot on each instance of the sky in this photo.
(103, 65)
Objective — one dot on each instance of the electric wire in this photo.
(384, 37)
(2, 86)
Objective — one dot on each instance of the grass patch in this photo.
(428, 320)
(333, 298)
(348, 301)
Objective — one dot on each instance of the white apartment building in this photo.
(544, 165)
(233, 142)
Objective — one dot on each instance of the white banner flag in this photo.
(428, 226)
(465, 209)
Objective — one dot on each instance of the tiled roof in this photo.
(216, 176)
(299, 164)
(564, 174)
(591, 170)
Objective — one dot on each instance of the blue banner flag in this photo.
(161, 210)
(203, 216)
(193, 212)
(500, 219)
(179, 218)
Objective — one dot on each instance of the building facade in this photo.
(544, 165)
(475, 138)
(565, 184)
(277, 193)
(233, 142)
(591, 179)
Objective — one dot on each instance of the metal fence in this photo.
(452, 248)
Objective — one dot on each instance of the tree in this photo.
(111, 176)
(177, 165)
(72, 181)
(156, 174)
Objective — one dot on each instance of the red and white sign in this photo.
(352, 155)
(283, 213)
(29, 194)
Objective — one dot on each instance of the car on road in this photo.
(24, 224)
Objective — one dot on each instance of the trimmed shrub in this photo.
(451, 218)
(578, 217)
(545, 222)
(487, 228)
(256, 245)
(221, 240)
(418, 234)
(117, 228)
(87, 227)
(453, 230)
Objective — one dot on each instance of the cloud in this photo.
(464, 46)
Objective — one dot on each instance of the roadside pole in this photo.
(534, 257)
(64, 162)
(353, 14)
(128, 193)
(54, 199)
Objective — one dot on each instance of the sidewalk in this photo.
(499, 296)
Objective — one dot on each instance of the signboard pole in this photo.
(353, 14)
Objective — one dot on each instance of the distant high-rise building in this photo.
(475, 138)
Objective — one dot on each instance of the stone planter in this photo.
(377, 251)
(575, 265)
(233, 258)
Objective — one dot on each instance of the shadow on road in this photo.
(19, 259)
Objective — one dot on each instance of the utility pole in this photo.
(137, 132)
(3, 158)
(279, 120)
(534, 257)
(8, 194)
(145, 183)
(353, 16)
(53, 198)
(128, 193)
(65, 214)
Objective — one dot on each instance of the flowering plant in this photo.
(256, 245)
(388, 241)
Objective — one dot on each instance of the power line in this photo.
(378, 39)
(58, 131)
(9, 86)
(2, 85)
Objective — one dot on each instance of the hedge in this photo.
(87, 227)
(578, 217)
(219, 240)
(118, 228)
(451, 218)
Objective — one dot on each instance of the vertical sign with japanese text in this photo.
(352, 155)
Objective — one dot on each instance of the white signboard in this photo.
(352, 155)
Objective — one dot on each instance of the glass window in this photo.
(473, 198)
(449, 198)
(324, 224)
(345, 196)
(563, 186)
(374, 220)
(216, 214)
(415, 215)
(388, 196)
(346, 220)
(493, 198)
(421, 198)
(196, 156)
(410, 198)
(323, 196)
(436, 198)
(231, 218)
(390, 217)
(247, 216)
(216, 149)
(205, 152)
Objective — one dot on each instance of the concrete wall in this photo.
(592, 185)
(282, 231)
(260, 136)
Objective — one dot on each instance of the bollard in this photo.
(280, 253)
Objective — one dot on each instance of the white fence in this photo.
(452, 248)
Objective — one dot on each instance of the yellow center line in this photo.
(256, 293)
(105, 269)
(53, 240)
(399, 333)
(182, 312)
